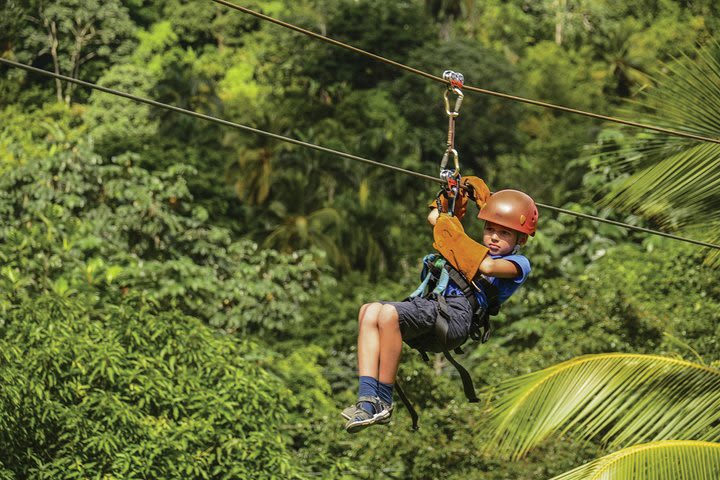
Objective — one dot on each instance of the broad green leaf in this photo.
(618, 398)
(663, 460)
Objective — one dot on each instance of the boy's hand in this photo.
(463, 253)
(460, 205)
(477, 190)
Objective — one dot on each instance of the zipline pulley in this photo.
(449, 177)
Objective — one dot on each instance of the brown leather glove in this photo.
(477, 190)
(463, 253)
(460, 205)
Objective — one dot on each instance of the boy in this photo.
(510, 216)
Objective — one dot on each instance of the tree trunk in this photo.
(52, 36)
(83, 36)
(560, 7)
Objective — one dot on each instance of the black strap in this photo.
(467, 382)
(486, 326)
(408, 405)
(441, 329)
(492, 293)
(467, 289)
(441, 321)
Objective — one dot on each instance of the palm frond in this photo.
(663, 460)
(688, 180)
(675, 181)
(621, 399)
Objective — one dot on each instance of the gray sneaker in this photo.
(359, 419)
(349, 412)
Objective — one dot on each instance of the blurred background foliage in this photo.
(179, 299)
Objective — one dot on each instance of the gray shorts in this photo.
(417, 318)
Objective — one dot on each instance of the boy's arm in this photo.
(499, 268)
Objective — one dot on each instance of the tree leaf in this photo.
(619, 398)
(663, 460)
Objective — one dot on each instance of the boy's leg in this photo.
(379, 342)
(378, 324)
(390, 344)
(369, 340)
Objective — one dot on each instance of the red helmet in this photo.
(511, 209)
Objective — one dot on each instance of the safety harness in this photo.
(436, 274)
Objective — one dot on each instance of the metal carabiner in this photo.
(451, 190)
(458, 101)
(444, 172)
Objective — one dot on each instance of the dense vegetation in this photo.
(178, 299)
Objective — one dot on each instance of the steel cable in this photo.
(228, 123)
(484, 91)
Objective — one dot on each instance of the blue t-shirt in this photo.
(506, 286)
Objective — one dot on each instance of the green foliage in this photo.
(668, 459)
(623, 398)
(129, 391)
(671, 180)
(84, 222)
(77, 35)
(73, 223)
(37, 133)
(116, 124)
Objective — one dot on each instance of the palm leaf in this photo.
(663, 460)
(674, 181)
(621, 399)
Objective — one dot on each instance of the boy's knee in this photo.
(388, 316)
(369, 313)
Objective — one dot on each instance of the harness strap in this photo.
(442, 282)
(421, 288)
(411, 410)
(466, 287)
(437, 269)
(467, 382)
(441, 321)
(491, 292)
(441, 329)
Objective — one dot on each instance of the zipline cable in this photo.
(484, 91)
(228, 123)
(210, 118)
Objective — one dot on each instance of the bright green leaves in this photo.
(671, 460)
(621, 398)
(74, 224)
(129, 391)
(670, 180)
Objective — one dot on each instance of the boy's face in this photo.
(498, 239)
